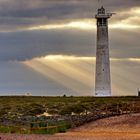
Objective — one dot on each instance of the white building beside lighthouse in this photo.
(102, 78)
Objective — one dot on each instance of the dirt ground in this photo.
(126, 127)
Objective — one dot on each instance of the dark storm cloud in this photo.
(31, 12)
(22, 45)
(17, 13)
(124, 44)
(27, 45)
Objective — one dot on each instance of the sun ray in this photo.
(83, 65)
(53, 72)
(70, 71)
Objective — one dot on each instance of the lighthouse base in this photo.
(103, 93)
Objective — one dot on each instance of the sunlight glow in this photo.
(83, 26)
(124, 26)
(134, 59)
(78, 58)
(126, 59)
(65, 57)
(135, 10)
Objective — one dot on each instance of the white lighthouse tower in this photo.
(102, 81)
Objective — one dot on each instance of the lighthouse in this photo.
(102, 78)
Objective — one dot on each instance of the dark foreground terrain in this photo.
(125, 127)
(51, 115)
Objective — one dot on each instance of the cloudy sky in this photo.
(47, 47)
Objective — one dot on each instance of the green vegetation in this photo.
(38, 128)
(49, 127)
(18, 106)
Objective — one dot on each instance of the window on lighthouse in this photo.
(99, 22)
(102, 22)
